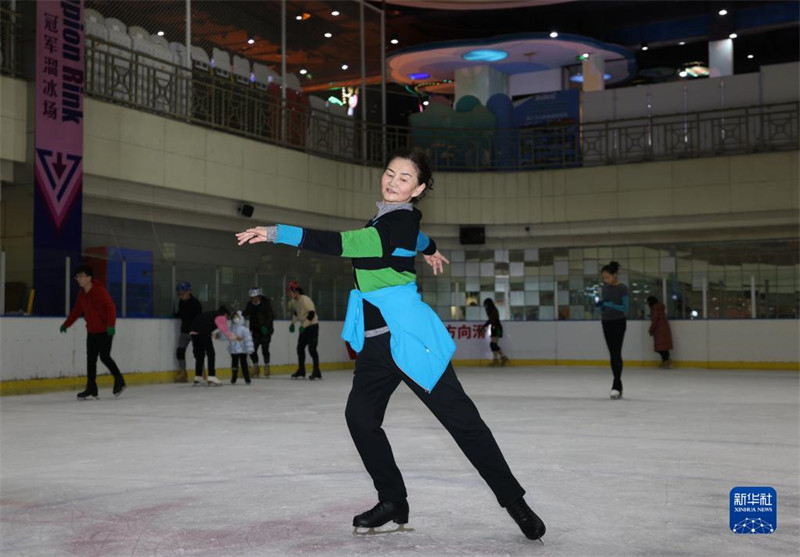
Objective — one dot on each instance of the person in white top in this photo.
(305, 313)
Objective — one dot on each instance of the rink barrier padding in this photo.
(106, 382)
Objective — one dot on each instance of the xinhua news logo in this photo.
(754, 510)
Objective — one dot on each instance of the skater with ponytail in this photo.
(614, 302)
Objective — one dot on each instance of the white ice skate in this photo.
(213, 381)
(198, 380)
(615, 394)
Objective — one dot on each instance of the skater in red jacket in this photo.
(98, 310)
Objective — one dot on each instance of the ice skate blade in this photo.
(373, 532)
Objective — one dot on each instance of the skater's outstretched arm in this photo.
(433, 256)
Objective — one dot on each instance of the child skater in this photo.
(240, 349)
(498, 358)
(201, 331)
(660, 331)
(399, 338)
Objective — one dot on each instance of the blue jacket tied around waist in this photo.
(421, 346)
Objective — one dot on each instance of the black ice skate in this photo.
(88, 393)
(380, 514)
(315, 375)
(119, 386)
(530, 524)
(299, 374)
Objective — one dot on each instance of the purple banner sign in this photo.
(58, 144)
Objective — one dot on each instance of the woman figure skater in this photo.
(400, 339)
(493, 321)
(614, 301)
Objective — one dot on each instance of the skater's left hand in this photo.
(436, 261)
(252, 235)
(110, 331)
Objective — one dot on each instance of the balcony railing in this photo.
(10, 33)
(203, 97)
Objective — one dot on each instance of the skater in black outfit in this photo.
(498, 358)
(189, 307)
(400, 339)
(259, 312)
(614, 301)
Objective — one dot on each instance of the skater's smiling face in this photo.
(400, 181)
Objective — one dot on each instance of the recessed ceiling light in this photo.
(335, 13)
(328, 35)
(394, 41)
(645, 47)
(681, 43)
(345, 66)
(251, 41)
(553, 34)
(303, 71)
(732, 36)
(160, 33)
(682, 73)
(723, 12)
(750, 56)
(425, 103)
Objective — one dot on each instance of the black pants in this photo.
(99, 344)
(375, 378)
(236, 359)
(202, 347)
(263, 340)
(309, 337)
(664, 355)
(614, 333)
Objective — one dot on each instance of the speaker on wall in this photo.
(472, 235)
(246, 210)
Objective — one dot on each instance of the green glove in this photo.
(263, 329)
(302, 329)
(110, 331)
(63, 329)
(291, 328)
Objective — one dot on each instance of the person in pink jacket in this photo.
(660, 331)
(201, 332)
(100, 314)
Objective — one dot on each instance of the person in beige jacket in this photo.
(304, 312)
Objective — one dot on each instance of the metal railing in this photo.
(10, 44)
(201, 96)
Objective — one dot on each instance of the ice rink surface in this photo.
(269, 469)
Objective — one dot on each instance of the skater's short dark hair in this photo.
(612, 268)
(422, 164)
(651, 301)
(85, 269)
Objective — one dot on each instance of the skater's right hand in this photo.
(62, 329)
(256, 235)
(291, 328)
(436, 261)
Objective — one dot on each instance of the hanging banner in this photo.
(58, 148)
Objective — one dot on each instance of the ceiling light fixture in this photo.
(335, 13)
(485, 55)
(394, 41)
(732, 36)
(553, 34)
(750, 56)
(328, 35)
(681, 43)
(251, 41)
(345, 66)
(723, 12)
(160, 33)
(303, 71)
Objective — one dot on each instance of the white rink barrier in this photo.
(32, 347)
